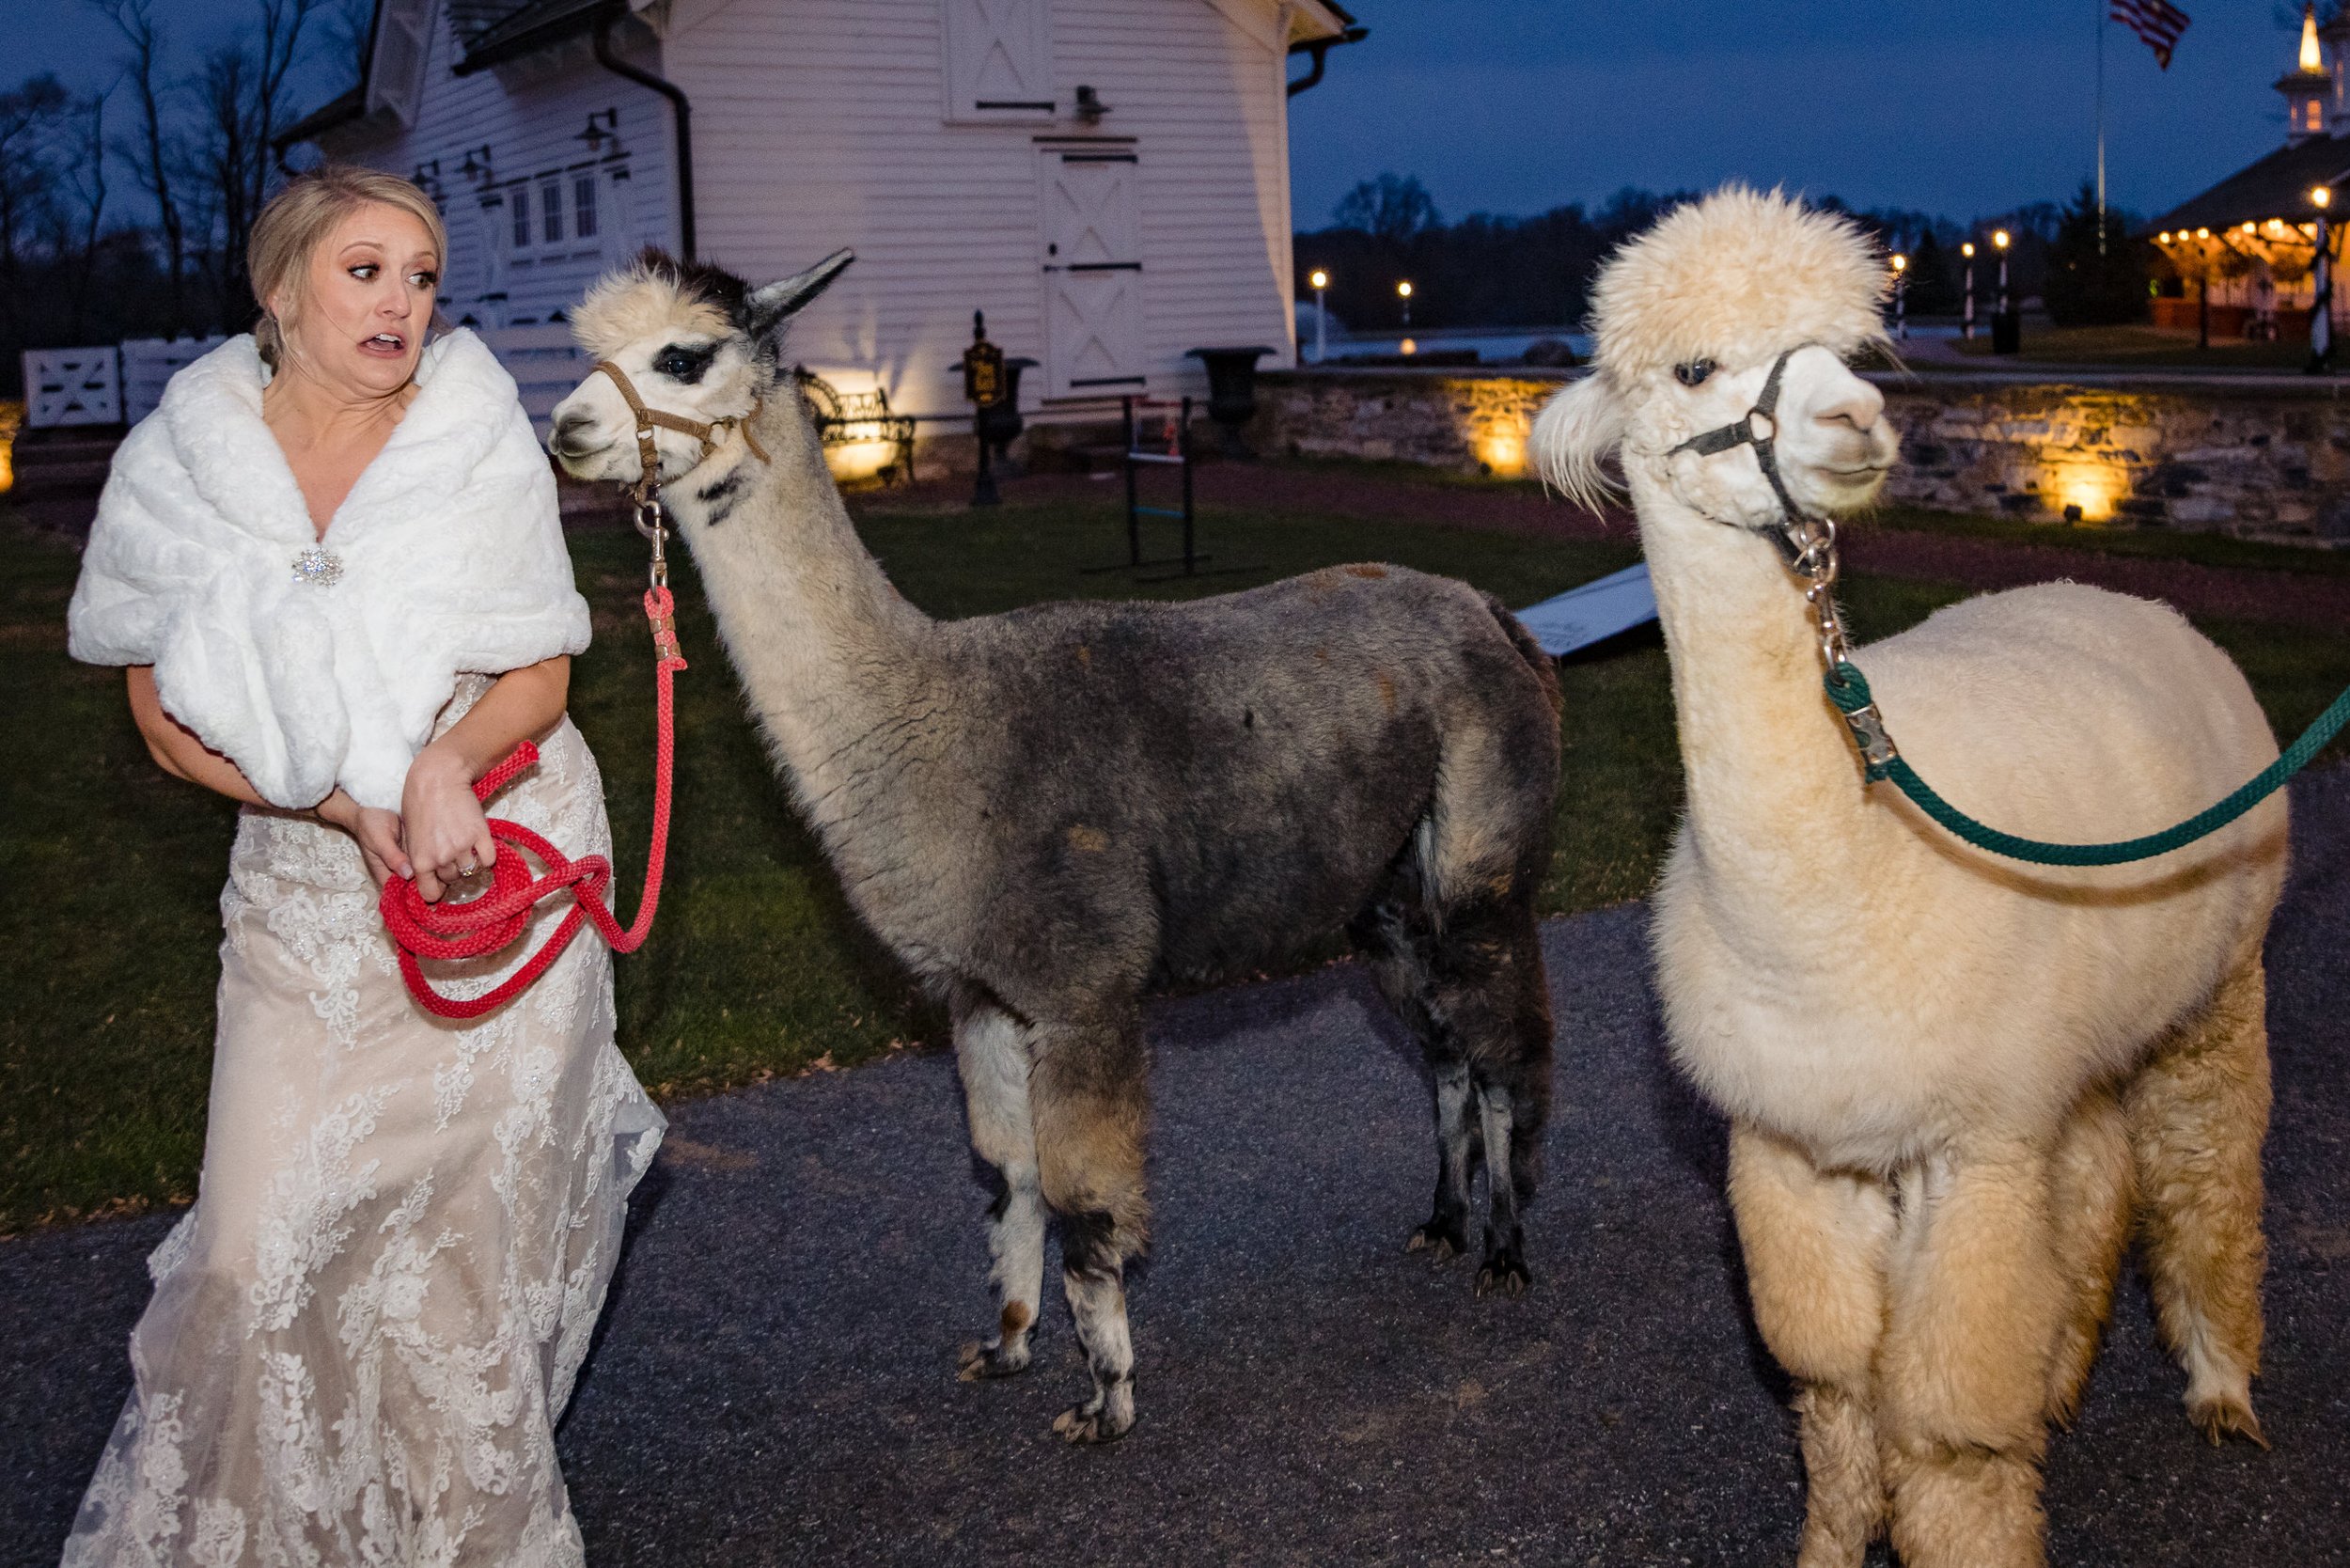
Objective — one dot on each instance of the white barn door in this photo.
(1092, 239)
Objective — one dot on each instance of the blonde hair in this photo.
(300, 217)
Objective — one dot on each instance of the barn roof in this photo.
(492, 31)
(2277, 186)
(532, 24)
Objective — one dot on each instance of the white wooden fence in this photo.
(113, 385)
(150, 362)
(72, 387)
(121, 385)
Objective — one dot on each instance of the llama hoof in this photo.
(2219, 1419)
(1505, 1274)
(1441, 1242)
(980, 1363)
(1092, 1423)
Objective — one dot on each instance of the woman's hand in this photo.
(377, 830)
(443, 830)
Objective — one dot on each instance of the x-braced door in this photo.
(1093, 239)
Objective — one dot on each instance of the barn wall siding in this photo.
(818, 123)
(530, 117)
(821, 123)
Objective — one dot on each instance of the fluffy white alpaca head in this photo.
(695, 340)
(1689, 318)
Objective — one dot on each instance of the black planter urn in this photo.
(1232, 392)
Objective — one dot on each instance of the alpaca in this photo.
(1044, 812)
(1953, 1080)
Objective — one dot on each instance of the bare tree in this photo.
(246, 103)
(153, 150)
(28, 174)
(75, 213)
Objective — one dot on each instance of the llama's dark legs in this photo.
(992, 1053)
(1090, 1098)
(1445, 1233)
(1472, 990)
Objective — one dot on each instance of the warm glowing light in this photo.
(2312, 63)
(1503, 451)
(2321, 196)
(1404, 289)
(1968, 250)
(2093, 487)
(860, 460)
(1407, 346)
(1900, 262)
(1319, 278)
(2164, 238)
(2202, 234)
(1998, 238)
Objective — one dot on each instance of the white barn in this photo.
(1108, 180)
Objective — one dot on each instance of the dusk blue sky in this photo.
(1518, 105)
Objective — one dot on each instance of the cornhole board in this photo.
(1594, 612)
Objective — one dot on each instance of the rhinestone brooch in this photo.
(317, 566)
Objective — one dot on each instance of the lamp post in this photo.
(1967, 328)
(2321, 294)
(1321, 280)
(2007, 335)
(1403, 293)
(1900, 298)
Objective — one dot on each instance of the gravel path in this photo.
(775, 1380)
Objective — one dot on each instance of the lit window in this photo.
(522, 218)
(2314, 112)
(584, 207)
(551, 213)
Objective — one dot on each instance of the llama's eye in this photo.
(682, 363)
(1692, 372)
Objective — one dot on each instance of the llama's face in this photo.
(1834, 445)
(682, 368)
(693, 341)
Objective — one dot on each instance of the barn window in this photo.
(584, 207)
(998, 59)
(522, 217)
(551, 213)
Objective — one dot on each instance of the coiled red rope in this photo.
(499, 917)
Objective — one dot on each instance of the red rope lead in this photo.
(498, 918)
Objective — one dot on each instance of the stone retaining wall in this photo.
(2269, 462)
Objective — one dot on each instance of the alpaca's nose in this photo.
(570, 433)
(1858, 406)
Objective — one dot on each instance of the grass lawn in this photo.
(756, 967)
(2142, 347)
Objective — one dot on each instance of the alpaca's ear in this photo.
(770, 305)
(1580, 427)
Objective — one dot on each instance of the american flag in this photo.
(2157, 22)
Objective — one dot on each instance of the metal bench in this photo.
(854, 418)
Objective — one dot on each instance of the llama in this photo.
(1953, 1080)
(1044, 812)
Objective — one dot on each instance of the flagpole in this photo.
(2102, 10)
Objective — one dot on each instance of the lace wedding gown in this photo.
(363, 1333)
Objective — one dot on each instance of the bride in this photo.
(332, 563)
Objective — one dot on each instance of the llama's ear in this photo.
(769, 305)
(1580, 427)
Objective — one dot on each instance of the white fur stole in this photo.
(451, 555)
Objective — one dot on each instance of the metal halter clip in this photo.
(656, 532)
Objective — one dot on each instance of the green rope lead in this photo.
(1849, 690)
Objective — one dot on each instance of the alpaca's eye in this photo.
(1692, 372)
(681, 363)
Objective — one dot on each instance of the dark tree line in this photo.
(125, 212)
(1495, 271)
